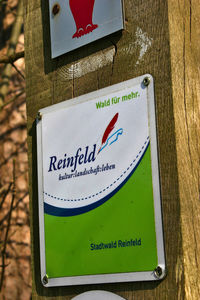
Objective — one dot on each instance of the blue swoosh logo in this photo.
(115, 135)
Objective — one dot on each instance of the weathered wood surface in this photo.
(185, 61)
(150, 44)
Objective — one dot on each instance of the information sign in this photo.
(99, 192)
(75, 23)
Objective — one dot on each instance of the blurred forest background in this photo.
(15, 258)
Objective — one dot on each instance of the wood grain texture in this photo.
(185, 62)
(144, 47)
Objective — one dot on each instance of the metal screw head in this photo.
(45, 279)
(39, 116)
(158, 272)
(146, 81)
(55, 9)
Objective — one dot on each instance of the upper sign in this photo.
(99, 196)
(75, 23)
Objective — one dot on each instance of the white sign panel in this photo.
(99, 193)
(75, 23)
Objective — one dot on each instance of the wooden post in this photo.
(161, 38)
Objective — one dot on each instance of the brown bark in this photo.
(185, 62)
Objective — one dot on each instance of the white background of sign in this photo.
(108, 15)
(87, 132)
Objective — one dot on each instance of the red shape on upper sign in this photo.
(82, 11)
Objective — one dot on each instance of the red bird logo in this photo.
(82, 11)
(109, 128)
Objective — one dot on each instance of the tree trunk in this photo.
(161, 39)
